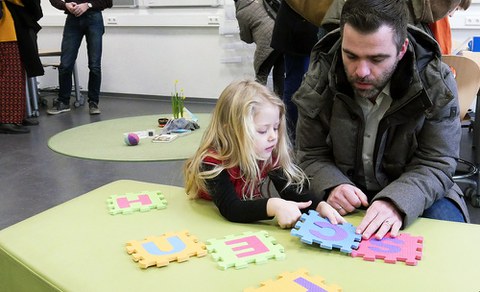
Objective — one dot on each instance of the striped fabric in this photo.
(12, 84)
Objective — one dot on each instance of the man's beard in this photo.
(378, 84)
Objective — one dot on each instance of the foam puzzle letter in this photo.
(251, 243)
(124, 202)
(240, 250)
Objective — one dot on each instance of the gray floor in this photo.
(33, 178)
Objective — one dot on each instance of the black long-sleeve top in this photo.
(234, 209)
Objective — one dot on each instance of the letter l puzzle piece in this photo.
(313, 228)
(240, 250)
(299, 281)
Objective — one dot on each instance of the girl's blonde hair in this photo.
(230, 138)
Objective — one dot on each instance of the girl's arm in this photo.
(230, 206)
(279, 181)
(291, 194)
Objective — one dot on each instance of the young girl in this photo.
(245, 142)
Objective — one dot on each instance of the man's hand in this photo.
(286, 212)
(346, 198)
(77, 9)
(380, 218)
(71, 7)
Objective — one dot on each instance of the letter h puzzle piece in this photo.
(240, 250)
(299, 281)
(403, 248)
(160, 250)
(313, 228)
(134, 202)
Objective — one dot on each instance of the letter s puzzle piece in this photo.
(160, 250)
(313, 228)
(299, 281)
(403, 248)
(240, 250)
(135, 202)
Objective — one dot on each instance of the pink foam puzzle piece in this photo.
(404, 247)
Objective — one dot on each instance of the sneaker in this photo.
(58, 108)
(93, 108)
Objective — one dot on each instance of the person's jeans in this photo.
(295, 68)
(90, 25)
(444, 209)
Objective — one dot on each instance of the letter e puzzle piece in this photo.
(160, 250)
(298, 281)
(240, 250)
(313, 228)
(136, 202)
(403, 248)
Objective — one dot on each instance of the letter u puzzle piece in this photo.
(403, 248)
(299, 281)
(136, 202)
(160, 250)
(240, 250)
(313, 228)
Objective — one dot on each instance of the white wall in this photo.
(466, 24)
(147, 49)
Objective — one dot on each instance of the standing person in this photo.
(378, 123)
(245, 142)
(294, 37)
(84, 18)
(441, 28)
(256, 26)
(18, 54)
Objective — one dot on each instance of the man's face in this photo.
(370, 59)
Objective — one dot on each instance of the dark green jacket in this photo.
(418, 138)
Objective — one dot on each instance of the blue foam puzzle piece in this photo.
(312, 228)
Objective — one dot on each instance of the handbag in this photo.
(312, 10)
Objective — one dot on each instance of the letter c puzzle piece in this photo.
(313, 228)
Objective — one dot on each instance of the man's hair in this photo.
(367, 16)
(464, 4)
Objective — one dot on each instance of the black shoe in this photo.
(13, 129)
(30, 122)
(58, 108)
(93, 108)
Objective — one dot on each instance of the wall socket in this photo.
(214, 20)
(472, 20)
(112, 20)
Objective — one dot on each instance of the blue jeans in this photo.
(295, 68)
(90, 25)
(444, 209)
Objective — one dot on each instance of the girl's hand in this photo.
(286, 212)
(327, 211)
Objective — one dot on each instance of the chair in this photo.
(32, 86)
(467, 76)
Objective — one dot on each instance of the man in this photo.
(378, 121)
(84, 18)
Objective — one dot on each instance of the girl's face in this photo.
(266, 122)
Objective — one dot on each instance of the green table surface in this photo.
(79, 246)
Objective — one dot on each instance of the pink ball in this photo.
(132, 139)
